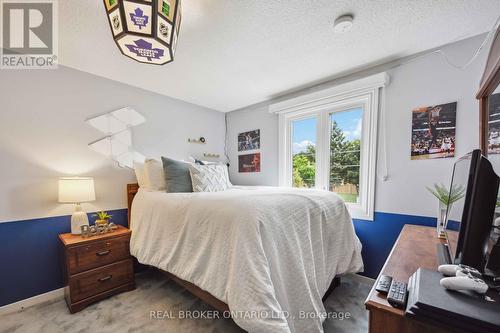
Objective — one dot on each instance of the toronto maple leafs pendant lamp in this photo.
(145, 30)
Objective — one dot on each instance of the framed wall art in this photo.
(249, 140)
(249, 163)
(433, 131)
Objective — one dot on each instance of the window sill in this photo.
(357, 212)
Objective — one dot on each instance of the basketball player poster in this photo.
(433, 131)
(494, 124)
(249, 140)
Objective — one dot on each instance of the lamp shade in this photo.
(76, 189)
(145, 30)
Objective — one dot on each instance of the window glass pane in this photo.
(345, 153)
(304, 152)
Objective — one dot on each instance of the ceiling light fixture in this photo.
(146, 31)
(343, 24)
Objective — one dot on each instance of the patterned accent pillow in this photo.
(209, 178)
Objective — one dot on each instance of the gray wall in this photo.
(424, 81)
(43, 135)
(249, 119)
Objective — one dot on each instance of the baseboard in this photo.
(362, 279)
(38, 299)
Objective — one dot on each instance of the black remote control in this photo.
(383, 284)
(397, 294)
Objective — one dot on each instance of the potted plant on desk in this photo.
(446, 198)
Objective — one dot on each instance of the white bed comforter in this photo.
(269, 253)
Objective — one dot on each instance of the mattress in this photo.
(269, 253)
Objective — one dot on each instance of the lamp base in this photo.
(78, 219)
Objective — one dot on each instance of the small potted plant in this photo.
(102, 218)
(446, 198)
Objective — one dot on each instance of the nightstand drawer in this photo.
(96, 254)
(101, 279)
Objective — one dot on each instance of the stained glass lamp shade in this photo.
(145, 30)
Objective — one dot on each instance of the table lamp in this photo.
(77, 190)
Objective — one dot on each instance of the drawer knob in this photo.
(106, 278)
(103, 253)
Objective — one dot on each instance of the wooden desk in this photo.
(416, 247)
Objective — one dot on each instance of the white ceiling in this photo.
(234, 53)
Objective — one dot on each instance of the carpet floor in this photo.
(132, 312)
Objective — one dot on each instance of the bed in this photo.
(268, 255)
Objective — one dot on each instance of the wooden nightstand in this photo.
(97, 267)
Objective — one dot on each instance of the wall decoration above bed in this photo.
(249, 163)
(433, 131)
(249, 140)
(201, 140)
(211, 155)
(117, 143)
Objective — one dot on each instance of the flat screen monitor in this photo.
(472, 215)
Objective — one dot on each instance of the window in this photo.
(304, 152)
(328, 141)
(345, 153)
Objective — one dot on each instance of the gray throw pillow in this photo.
(177, 175)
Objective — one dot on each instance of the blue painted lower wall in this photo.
(30, 253)
(378, 236)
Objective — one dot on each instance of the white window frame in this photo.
(363, 93)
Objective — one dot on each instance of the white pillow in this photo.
(140, 174)
(209, 178)
(155, 176)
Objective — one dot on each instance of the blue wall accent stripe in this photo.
(378, 236)
(30, 251)
(31, 255)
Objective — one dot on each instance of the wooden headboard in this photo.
(131, 192)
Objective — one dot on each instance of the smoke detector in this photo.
(343, 24)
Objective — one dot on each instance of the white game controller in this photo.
(464, 283)
(458, 270)
(468, 271)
